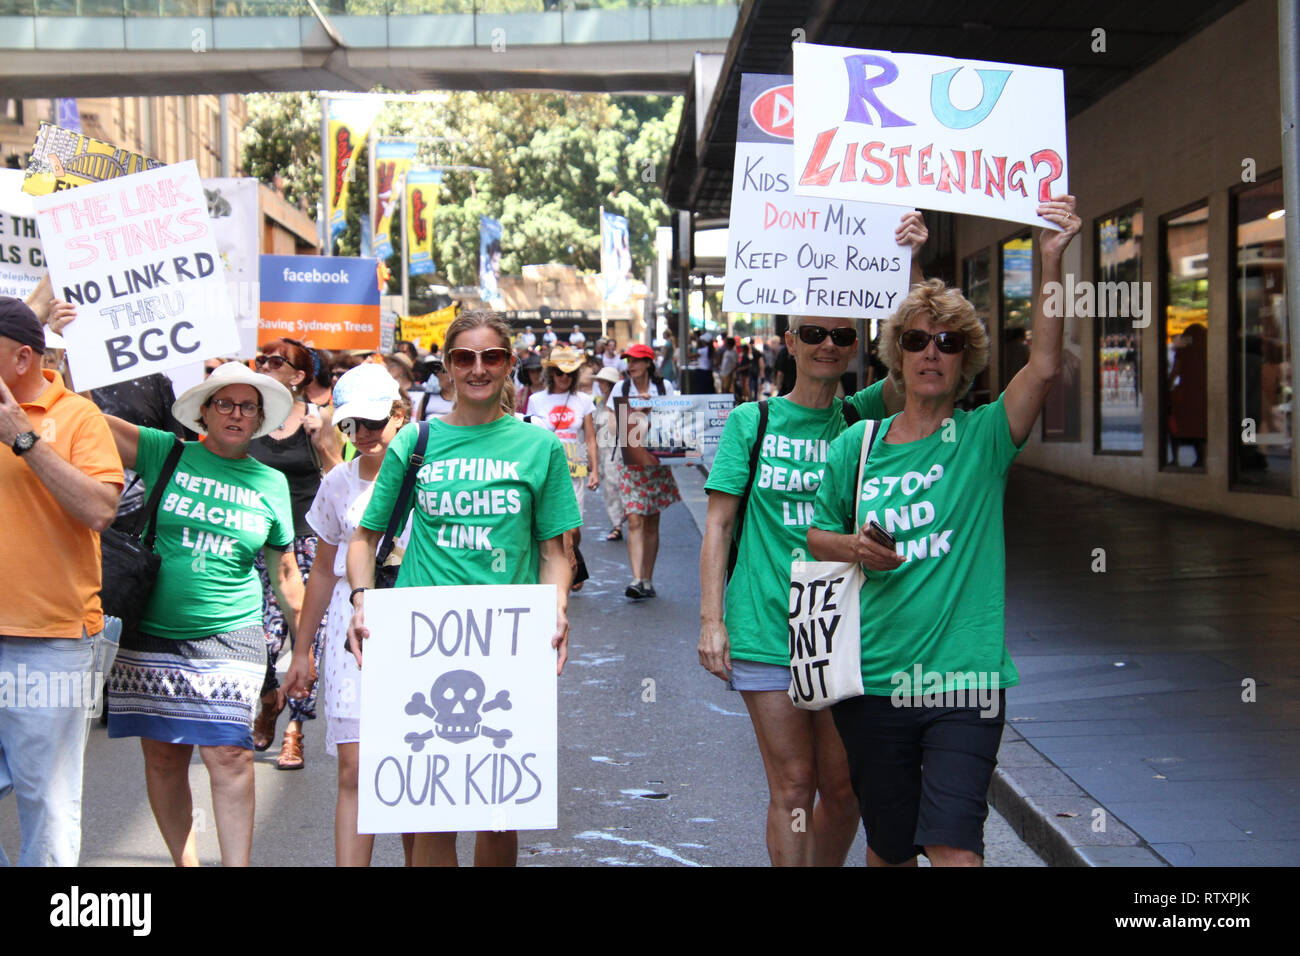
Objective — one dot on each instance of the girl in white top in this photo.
(569, 413)
(370, 409)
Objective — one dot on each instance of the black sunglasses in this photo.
(916, 340)
(370, 424)
(815, 335)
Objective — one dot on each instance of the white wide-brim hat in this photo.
(277, 401)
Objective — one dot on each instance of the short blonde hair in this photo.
(949, 308)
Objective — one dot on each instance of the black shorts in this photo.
(921, 774)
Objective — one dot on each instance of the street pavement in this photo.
(658, 763)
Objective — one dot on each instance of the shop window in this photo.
(977, 286)
(1261, 384)
(1015, 309)
(1184, 336)
(1118, 386)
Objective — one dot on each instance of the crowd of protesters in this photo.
(267, 488)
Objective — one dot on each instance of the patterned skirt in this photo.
(647, 491)
(203, 691)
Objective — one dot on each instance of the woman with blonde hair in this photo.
(927, 524)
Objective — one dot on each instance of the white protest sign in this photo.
(138, 258)
(21, 262)
(788, 253)
(236, 222)
(677, 429)
(966, 136)
(458, 710)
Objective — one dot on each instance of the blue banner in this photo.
(489, 258)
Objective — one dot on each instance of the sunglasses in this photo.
(274, 362)
(491, 358)
(815, 335)
(916, 340)
(370, 424)
(225, 406)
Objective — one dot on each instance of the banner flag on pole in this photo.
(392, 162)
(422, 189)
(349, 125)
(489, 259)
(615, 258)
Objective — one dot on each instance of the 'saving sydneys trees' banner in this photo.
(552, 160)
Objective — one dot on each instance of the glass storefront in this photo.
(1015, 312)
(1118, 386)
(977, 286)
(1261, 395)
(1184, 336)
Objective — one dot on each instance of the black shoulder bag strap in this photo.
(734, 554)
(851, 416)
(149, 529)
(400, 508)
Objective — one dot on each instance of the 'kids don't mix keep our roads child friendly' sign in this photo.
(965, 136)
(798, 254)
(137, 256)
(458, 710)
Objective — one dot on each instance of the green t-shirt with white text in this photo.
(484, 497)
(941, 498)
(215, 515)
(780, 508)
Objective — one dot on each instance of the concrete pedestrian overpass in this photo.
(52, 48)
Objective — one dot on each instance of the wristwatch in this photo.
(24, 442)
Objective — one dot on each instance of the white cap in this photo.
(366, 392)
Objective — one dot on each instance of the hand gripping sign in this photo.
(458, 710)
(138, 258)
(965, 136)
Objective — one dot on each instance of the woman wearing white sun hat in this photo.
(193, 672)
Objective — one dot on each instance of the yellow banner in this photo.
(349, 125)
(422, 189)
(427, 330)
(392, 162)
(63, 158)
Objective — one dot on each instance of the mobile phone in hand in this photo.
(879, 535)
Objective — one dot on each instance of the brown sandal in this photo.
(291, 753)
(264, 725)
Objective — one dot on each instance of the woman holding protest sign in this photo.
(647, 487)
(192, 672)
(302, 448)
(744, 639)
(934, 602)
(538, 508)
(370, 409)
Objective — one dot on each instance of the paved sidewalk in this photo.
(1158, 717)
(1164, 690)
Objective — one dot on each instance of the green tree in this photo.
(550, 160)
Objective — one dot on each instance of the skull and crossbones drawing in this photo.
(454, 703)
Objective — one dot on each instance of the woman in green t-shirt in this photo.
(747, 646)
(193, 672)
(922, 741)
(479, 425)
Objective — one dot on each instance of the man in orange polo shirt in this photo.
(60, 477)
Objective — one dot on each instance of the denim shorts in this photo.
(751, 675)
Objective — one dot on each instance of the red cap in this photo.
(640, 350)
